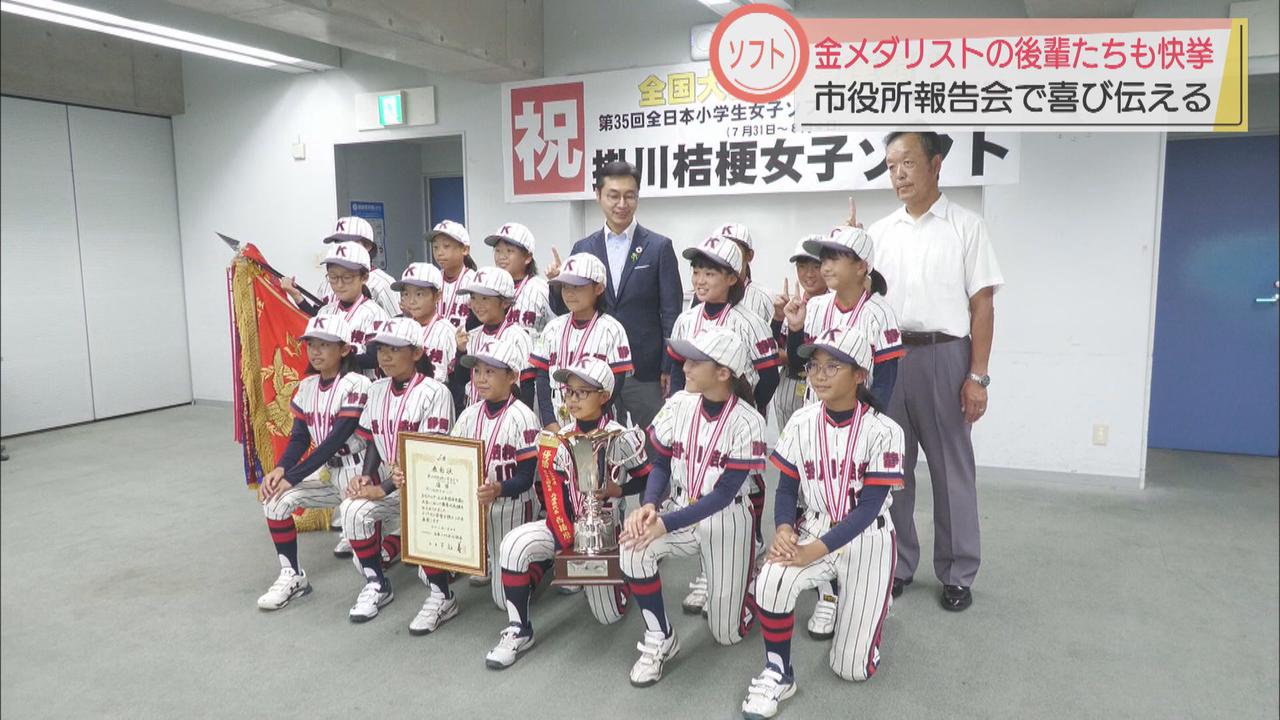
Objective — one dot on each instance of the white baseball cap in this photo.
(844, 238)
(514, 233)
(738, 232)
(591, 370)
(351, 229)
(330, 328)
(491, 281)
(582, 269)
(720, 345)
(398, 332)
(451, 229)
(800, 253)
(844, 344)
(501, 354)
(719, 250)
(419, 274)
(351, 255)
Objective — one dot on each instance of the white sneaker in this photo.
(478, 580)
(822, 625)
(288, 585)
(568, 589)
(766, 691)
(373, 595)
(510, 644)
(343, 548)
(655, 650)
(436, 611)
(697, 597)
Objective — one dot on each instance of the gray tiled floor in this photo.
(132, 558)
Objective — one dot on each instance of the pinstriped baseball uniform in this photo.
(761, 345)
(532, 307)
(758, 302)
(440, 343)
(724, 540)
(320, 406)
(360, 316)
(871, 315)
(833, 462)
(564, 342)
(509, 435)
(456, 306)
(425, 406)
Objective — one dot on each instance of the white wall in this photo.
(389, 173)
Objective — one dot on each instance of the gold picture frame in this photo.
(443, 524)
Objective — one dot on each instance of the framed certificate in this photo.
(442, 521)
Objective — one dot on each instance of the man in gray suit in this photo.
(942, 275)
(645, 290)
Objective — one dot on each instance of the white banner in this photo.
(688, 137)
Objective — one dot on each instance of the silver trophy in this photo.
(594, 556)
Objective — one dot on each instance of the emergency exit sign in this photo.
(391, 109)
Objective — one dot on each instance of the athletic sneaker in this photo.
(697, 597)
(372, 597)
(288, 585)
(822, 625)
(436, 611)
(342, 549)
(510, 644)
(478, 580)
(655, 651)
(767, 690)
(568, 589)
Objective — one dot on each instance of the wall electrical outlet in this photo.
(1101, 434)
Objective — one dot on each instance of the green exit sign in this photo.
(391, 109)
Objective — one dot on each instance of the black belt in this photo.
(926, 338)
(338, 460)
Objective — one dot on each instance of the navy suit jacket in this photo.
(646, 299)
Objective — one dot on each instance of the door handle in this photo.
(1270, 301)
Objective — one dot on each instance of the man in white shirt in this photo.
(942, 277)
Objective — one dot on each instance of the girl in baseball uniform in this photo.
(419, 288)
(509, 431)
(451, 252)
(407, 399)
(843, 456)
(856, 300)
(491, 293)
(706, 440)
(326, 409)
(792, 388)
(720, 285)
(358, 230)
(346, 266)
(755, 299)
(528, 551)
(513, 246)
(585, 331)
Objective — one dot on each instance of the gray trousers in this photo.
(926, 403)
(642, 399)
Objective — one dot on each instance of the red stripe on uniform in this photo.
(650, 586)
(514, 579)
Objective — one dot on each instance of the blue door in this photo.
(1214, 368)
(445, 200)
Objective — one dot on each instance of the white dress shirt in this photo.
(617, 247)
(934, 264)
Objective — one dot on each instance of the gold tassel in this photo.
(314, 520)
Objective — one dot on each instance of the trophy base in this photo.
(581, 569)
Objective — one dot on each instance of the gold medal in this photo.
(802, 388)
(325, 475)
(563, 414)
